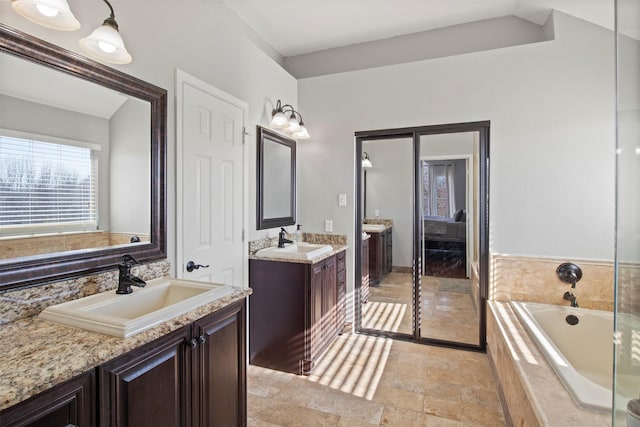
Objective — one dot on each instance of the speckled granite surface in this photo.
(284, 258)
(317, 238)
(386, 222)
(23, 303)
(37, 354)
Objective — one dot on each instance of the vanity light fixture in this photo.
(105, 43)
(286, 118)
(366, 162)
(54, 14)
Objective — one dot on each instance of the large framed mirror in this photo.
(276, 186)
(82, 164)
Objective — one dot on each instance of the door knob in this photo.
(193, 266)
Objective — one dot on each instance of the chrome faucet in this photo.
(125, 278)
(571, 297)
(281, 238)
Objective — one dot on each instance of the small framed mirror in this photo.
(276, 180)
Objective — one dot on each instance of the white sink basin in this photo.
(300, 250)
(373, 228)
(126, 315)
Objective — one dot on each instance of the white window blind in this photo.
(46, 187)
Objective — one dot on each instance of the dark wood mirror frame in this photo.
(40, 269)
(262, 222)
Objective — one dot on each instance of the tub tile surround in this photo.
(519, 278)
(23, 303)
(38, 355)
(531, 391)
(20, 246)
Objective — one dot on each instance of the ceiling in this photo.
(295, 27)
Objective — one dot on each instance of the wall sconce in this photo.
(286, 118)
(103, 44)
(366, 162)
(54, 14)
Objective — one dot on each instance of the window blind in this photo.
(46, 187)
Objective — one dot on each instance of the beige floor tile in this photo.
(364, 381)
(286, 414)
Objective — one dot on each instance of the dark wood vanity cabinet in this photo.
(380, 255)
(195, 376)
(68, 404)
(295, 311)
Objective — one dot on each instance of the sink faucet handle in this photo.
(129, 259)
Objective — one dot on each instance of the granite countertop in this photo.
(367, 228)
(284, 258)
(37, 355)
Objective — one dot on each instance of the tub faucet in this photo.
(569, 273)
(125, 278)
(281, 239)
(571, 297)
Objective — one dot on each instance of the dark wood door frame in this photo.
(414, 133)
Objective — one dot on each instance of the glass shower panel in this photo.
(627, 330)
(448, 206)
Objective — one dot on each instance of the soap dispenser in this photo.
(299, 234)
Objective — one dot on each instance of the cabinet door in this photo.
(69, 404)
(329, 300)
(148, 387)
(315, 331)
(220, 379)
(341, 291)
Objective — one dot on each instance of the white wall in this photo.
(390, 192)
(130, 169)
(202, 38)
(551, 109)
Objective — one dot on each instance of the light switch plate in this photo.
(328, 225)
(342, 200)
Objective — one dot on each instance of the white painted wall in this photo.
(390, 192)
(130, 169)
(202, 38)
(552, 136)
(487, 34)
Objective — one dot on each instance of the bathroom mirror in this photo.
(117, 124)
(276, 186)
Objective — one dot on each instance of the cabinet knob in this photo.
(193, 342)
(202, 339)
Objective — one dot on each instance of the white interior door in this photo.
(211, 186)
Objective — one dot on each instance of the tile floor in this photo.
(364, 381)
(447, 309)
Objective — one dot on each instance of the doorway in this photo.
(211, 189)
(423, 191)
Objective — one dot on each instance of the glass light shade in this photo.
(294, 125)
(105, 44)
(302, 132)
(279, 120)
(366, 163)
(54, 14)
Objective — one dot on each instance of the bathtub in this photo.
(580, 354)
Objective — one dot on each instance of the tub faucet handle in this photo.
(569, 272)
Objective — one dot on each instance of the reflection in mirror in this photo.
(276, 187)
(448, 203)
(64, 143)
(387, 187)
(82, 149)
